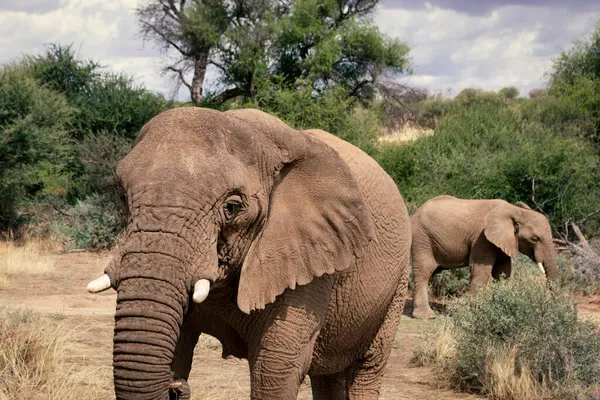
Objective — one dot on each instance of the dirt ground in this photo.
(91, 318)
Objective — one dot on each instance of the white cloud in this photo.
(510, 45)
(103, 30)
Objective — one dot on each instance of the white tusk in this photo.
(201, 289)
(99, 285)
(541, 267)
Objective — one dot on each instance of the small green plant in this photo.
(520, 340)
(450, 283)
(92, 223)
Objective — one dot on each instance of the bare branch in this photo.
(228, 95)
(179, 73)
(583, 241)
(581, 221)
(166, 39)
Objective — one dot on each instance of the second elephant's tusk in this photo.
(99, 285)
(541, 267)
(201, 289)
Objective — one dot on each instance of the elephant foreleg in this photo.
(281, 347)
(483, 257)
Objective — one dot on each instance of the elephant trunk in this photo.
(548, 260)
(151, 303)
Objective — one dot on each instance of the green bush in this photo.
(510, 92)
(93, 222)
(450, 283)
(33, 139)
(332, 110)
(106, 102)
(487, 150)
(538, 327)
(64, 124)
(454, 283)
(98, 156)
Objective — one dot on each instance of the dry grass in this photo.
(404, 134)
(33, 359)
(26, 259)
(209, 392)
(439, 346)
(503, 380)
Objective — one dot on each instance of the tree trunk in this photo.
(200, 64)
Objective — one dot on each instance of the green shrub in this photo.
(64, 124)
(487, 150)
(523, 328)
(510, 92)
(34, 125)
(106, 102)
(450, 283)
(332, 110)
(93, 222)
(98, 155)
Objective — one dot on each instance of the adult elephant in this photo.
(483, 234)
(293, 245)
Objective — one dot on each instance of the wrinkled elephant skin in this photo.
(290, 247)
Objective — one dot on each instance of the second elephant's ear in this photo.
(500, 229)
(317, 222)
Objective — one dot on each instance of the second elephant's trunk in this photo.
(548, 259)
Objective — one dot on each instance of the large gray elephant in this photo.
(290, 247)
(483, 234)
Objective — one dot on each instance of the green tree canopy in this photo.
(575, 81)
(583, 59)
(510, 92)
(269, 44)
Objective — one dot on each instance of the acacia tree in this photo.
(322, 43)
(279, 42)
(191, 29)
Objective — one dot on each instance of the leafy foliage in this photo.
(64, 124)
(575, 79)
(332, 112)
(486, 148)
(510, 92)
(540, 326)
(34, 122)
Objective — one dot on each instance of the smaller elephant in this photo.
(451, 233)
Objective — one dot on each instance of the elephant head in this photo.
(218, 201)
(517, 229)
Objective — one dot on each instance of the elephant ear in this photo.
(317, 222)
(500, 229)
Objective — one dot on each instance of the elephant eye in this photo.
(535, 239)
(232, 207)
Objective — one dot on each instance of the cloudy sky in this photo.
(454, 44)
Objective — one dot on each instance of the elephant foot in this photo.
(179, 390)
(423, 313)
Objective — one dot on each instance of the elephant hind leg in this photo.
(329, 387)
(363, 379)
(502, 266)
(423, 267)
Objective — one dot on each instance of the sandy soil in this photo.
(91, 317)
